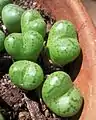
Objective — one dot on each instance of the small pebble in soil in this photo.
(24, 116)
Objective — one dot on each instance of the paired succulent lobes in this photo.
(28, 44)
(60, 95)
(62, 45)
(25, 74)
(25, 46)
(32, 20)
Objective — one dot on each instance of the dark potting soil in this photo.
(17, 104)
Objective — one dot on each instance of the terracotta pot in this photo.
(74, 11)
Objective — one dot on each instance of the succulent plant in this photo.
(25, 46)
(62, 46)
(60, 95)
(11, 16)
(32, 20)
(26, 75)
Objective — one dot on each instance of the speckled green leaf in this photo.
(2, 38)
(3, 3)
(63, 50)
(26, 75)
(63, 28)
(62, 45)
(11, 16)
(25, 46)
(32, 20)
(60, 95)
